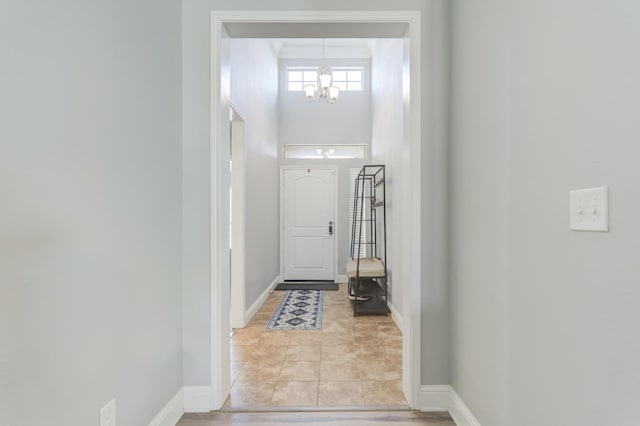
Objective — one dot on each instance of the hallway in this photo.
(495, 121)
(350, 362)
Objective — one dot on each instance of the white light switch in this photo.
(589, 209)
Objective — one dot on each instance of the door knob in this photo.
(330, 228)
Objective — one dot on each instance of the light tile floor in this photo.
(352, 361)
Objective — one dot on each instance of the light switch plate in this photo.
(589, 209)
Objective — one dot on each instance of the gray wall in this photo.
(90, 219)
(195, 196)
(435, 316)
(479, 179)
(347, 121)
(387, 148)
(254, 93)
(434, 248)
(545, 101)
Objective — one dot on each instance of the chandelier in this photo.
(327, 92)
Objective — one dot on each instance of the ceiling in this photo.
(333, 47)
(304, 40)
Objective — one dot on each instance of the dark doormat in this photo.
(308, 285)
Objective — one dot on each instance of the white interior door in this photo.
(309, 225)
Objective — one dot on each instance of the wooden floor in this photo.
(363, 418)
(352, 361)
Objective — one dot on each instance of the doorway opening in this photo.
(409, 273)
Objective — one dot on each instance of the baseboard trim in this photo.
(444, 398)
(396, 317)
(171, 413)
(434, 398)
(258, 303)
(198, 399)
(460, 412)
(342, 279)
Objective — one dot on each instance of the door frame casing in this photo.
(336, 224)
(219, 314)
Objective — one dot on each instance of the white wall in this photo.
(90, 218)
(196, 65)
(545, 320)
(254, 94)
(348, 121)
(387, 148)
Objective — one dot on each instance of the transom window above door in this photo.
(348, 79)
(298, 77)
(343, 151)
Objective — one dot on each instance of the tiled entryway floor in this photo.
(351, 362)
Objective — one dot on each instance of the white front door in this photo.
(308, 209)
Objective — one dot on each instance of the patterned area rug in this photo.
(299, 310)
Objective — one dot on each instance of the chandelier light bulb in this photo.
(323, 91)
(325, 79)
(310, 90)
(334, 91)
